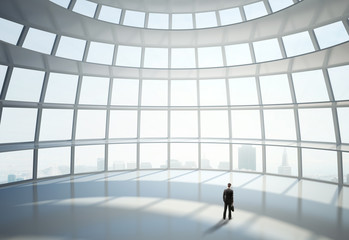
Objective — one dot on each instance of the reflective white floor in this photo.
(173, 205)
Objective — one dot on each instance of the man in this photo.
(228, 199)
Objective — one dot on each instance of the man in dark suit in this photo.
(228, 199)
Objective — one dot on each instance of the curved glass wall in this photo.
(275, 104)
(175, 20)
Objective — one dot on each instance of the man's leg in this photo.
(229, 207)
(225, 210)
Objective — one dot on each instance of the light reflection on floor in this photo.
(176, 204)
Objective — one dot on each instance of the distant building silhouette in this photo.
(100, 164)
(174, 163)
(11, 178)
(247, 158)
(284, 168)
(224, 165)
(118, 165)
(205, 163)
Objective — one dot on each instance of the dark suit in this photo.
(228, 199)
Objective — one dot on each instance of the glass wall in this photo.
(257, 104)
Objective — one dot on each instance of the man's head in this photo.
(229, 185)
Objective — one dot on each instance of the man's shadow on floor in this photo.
(217, 226)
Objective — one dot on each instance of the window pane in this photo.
(343, 118)
(94, 90)
(297, 44)
(158, 21)
(53, 162)
(281, 160)
(230, 16)
(153, 124)
(214, 124)
(123, 124)
(183, 93)
(153, 155)
(16, 166)
(277, 5)
(319, 164)
(154, 93)
(215, 156)
(280, 124)
(255, 10)
(56, 124)
(10, 31)
(213, 92)
(110, 14)
(238, 54)
(129, 56)
(184, 155)
(89, 158)
(39, 41)
(243, 91)
(275, 89)
(3, 70)
(310, 86)
(156, 58)
(331, 34)
(247, 158)
(122, 156)
(125, 92)
(205, 19)
(62, 3)
(267, 50)
(339, 82)
(183, 58)
(210, 57)
(345, 157)
(184, 124)
(25, 85)
(316, 125)
(61, 88)
(100, 53)
(246, 124)
(182, 21)
(90, 124)
(71, 48)
(17, 125)
(85, 7)
(134, 19)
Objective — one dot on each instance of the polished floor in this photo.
(175, 204)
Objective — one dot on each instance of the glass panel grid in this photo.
(100, 53)
(255, 10)
(71, 48)
(89, 158)
(110, 14)
(134, 18)
(184, 155)
(206, 20)
(331, 34)
(40, 41)
(158, 21)
(25, 85)
(230, 16)
(320, 164)
(85, 7)
(53, 161)
(122, 156)
(10, 31)
(17, 125)
(16, 166)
